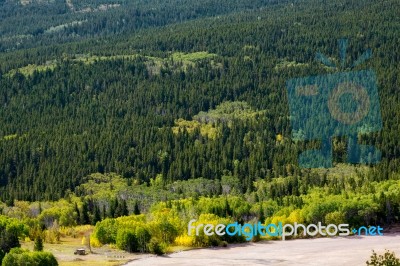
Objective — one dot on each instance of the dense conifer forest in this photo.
(146, 113)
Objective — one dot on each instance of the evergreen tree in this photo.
(8, 239)
(38, 246)
(96, 215)
(136, 209)
(84, 217)
(78, 213)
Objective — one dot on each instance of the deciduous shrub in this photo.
(127, 240)
(20, 257)
(387, 259)
(157, 247)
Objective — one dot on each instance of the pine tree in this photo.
(84, 218)
(78, 213)
(124, 209)
(113, 208)
(8, 240)
(121, 209)
(104, 212)
(96, 215)
(38, 244)
(136, 209)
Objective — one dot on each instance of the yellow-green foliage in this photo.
(76, 231)
(289, 64)
(61, 211)
(228, 111)
(189, 126)
(154, 64)
(208, 122)
(46, 213)
(64, 26)
(12, 224)
(95, 242)
(196, 56)
(103, 186)
(286, 216)
(201, 239)
(91, 59)
(165, 224)
(185, 240)
(10, 137)
(206, 130)
(106, 231)
(31, 68)
(20, 210)
(86, 59)
(248, 47)
(336, 217)
(178, 61)
(53, 235)
(131, 233)
(279, 138)
(19, 256)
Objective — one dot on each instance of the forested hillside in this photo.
(111, 105)
(30, 23)
(129, 107)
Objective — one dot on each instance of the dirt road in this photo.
(322, 251)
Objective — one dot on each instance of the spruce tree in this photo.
(38, 244)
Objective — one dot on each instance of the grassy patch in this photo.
(64, 253)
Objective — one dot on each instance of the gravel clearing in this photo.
(355, 250)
